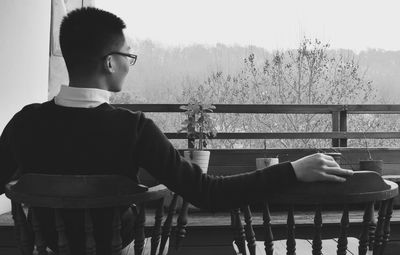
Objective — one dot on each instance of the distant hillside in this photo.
(161, 71)
(383, 68)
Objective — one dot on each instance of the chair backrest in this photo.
(364, 187)
(83, 192)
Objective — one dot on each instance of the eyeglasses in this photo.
(131, 57)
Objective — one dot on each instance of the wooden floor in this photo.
(209, 233)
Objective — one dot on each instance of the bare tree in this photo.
(308, 75)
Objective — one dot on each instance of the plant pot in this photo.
(262, 163)
(372, 165)
(201, 158)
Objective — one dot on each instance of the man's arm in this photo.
(156, 154)
(8, 164)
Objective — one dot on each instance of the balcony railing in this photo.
(339, 115)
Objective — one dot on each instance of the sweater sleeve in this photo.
(8, 164)
(157, 155)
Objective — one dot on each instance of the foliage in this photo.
(308, 75)
(198, 124)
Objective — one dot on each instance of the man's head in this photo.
(93, 45)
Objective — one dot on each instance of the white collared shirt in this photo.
(81, 97)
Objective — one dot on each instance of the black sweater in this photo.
(47, 138)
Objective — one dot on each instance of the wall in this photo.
(58, 72)
(24, 51)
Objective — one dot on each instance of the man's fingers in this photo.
(327, 157)
(329, 160)
(333, 178)
(331, 163)
(338, 171)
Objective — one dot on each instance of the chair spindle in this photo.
(290, 242)
(317, 242)
(139, 230)
(90, 244)
(155, 239)
(269, 238)
(386, 228)
(63, 247)
(22, 233)
(363, 240)
(379, 227)
(250, 235)
(181, 225)
(344, 226)
(116, 242)
(372, 228)
(240, 237)
(39, 239)
(17, 223)
(166, 229)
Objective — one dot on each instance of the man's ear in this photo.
(109, 65)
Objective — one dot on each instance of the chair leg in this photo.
(269, 238)
(386, 228)
(39, 239)
(363, 243)
(156, 237)
(181, 224)
(63, 247)
(23, 236)
(166, 230)
(372, 228)
(139, 230)
(240, 236)
(290, 242)
(250, 235)
(344, 226)
(89, 238)
(379, 239)
(116, 242)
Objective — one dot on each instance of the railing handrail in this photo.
(339, 112)
(276, 108)
(296, 135)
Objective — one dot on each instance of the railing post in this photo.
(335, 127)
(339, 123)
(343, 126)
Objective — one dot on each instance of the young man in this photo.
(79, 132)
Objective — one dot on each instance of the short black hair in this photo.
(87, 34)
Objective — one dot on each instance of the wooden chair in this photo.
(182, 214)
(363, 187)
(85, 193)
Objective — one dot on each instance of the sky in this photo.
(280, 24)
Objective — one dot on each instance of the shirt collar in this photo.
(82, 97)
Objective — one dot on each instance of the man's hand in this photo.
(319, 167)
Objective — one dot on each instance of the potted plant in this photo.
(199, 127)
(266, 161)
(370, 163)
